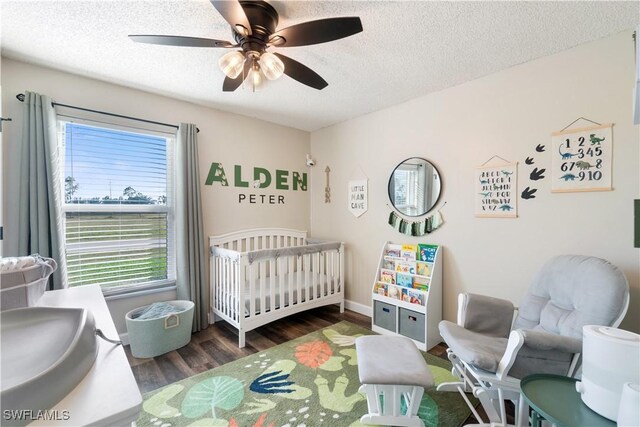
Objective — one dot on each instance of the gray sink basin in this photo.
(46, 352)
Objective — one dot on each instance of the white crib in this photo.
(264, 274)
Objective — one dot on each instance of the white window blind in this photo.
(118, 207)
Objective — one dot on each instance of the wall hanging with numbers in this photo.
(581, 159)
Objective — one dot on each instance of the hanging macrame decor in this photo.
(416, 228)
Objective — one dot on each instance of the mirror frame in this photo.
(391, 177)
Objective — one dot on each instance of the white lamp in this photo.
(255, 80)
(232, 63)
(271, 65)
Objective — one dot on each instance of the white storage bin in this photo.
(23, 280)
(153, 337)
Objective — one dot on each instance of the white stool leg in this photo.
(390, 413)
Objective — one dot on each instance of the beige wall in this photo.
(224, 137)
(505, 114)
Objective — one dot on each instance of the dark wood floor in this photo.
(218, 344)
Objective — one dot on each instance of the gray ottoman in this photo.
(392, 369)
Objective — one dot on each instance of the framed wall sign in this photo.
(496, 191)
(358, 200)
(581, 159)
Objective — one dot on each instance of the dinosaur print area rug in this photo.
(310, 381)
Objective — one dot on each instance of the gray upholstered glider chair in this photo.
(492, 348)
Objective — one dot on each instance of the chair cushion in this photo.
(391, 360)
(485, 352)
(482, 351)
(571, 291)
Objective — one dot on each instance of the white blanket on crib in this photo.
(326, 287)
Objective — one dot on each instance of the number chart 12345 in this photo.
(581, 159)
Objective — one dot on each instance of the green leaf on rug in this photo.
(339, 339)
(209, 422)
(336, 399)
(351, 354)
(157, 404)
(441, 375)
(216, 392)
(333, 364)
(260, 405)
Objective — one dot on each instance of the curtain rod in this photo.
(21, 97)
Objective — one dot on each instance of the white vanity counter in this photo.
(108, 395)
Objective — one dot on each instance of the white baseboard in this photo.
(358, 308)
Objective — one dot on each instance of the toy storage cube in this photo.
(384, 315)
(153, 337)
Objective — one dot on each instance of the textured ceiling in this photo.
(407, 49)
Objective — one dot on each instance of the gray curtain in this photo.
(40, 224)
(190, 248)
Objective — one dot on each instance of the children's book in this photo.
(387, 276)
(381, 289)
(421, 283)
(405, 295)
(410, 248)
(408, 255)
(415, 297)
(427, 252)
(423, 268)
(388, 264)
(394, 292)
(393, 250)
(404, 280)
(406, 267)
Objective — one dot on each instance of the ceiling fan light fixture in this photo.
(240, 29)
(255, 80)
(271, 66)
(277, 40)
(232, 64)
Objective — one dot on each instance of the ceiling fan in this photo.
(253, 25)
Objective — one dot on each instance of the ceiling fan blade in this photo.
(314, 32)
(233, 13)
(229, 84)
(181, 41)
(302, 73)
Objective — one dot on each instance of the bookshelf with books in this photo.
(407, 293)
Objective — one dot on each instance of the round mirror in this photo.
(414, 186)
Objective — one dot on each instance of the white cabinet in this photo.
(407, 293)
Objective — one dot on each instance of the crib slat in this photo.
(281, 265)
(263, 278)
(227, 281)
(307, 278)
(252, 289)
(299, 265)
(341, 267)
(272, 284)
(220, 285)
(335, 273)
(315, 280)
(216, 281)
(290, 275)
(322, 277)
(236, 291)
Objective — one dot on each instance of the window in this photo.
(409, 188)
(117, 207)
